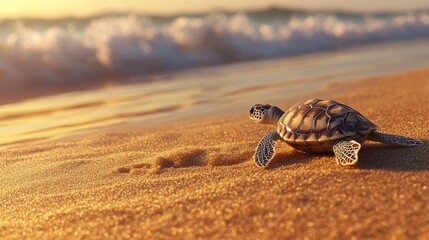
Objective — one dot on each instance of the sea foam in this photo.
(123, 46)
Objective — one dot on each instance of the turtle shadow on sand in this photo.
(385, 157)
(372, 156)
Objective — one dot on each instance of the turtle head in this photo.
(265, 114)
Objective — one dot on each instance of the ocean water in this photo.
(40, 54)
(202, 93)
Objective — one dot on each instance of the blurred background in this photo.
(50, 46)
(70, 65)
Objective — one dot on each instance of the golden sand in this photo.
(196, 180)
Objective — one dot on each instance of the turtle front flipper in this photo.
(394, 139)
(346, 152)
(266, 149)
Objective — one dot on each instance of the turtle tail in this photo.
(394, 139)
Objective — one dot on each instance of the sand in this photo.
(196, 180)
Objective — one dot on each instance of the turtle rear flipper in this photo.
(266, 149)
(394, 139)
(346, 152)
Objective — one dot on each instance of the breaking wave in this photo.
(115, 47)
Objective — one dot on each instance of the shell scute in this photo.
(335, 123)
(320, 123)
(336, 134)
(351, 118)
(300, 139)
(310, 102)
(281, 130)
(308, 120)
(291, 112)
(324, 136)
(336, 111)
(349, 128)
(288, 135)
(297, 119)
(312, 139)
(324, 104)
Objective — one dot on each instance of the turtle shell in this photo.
(316, 125)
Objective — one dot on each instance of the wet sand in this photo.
(197, 179)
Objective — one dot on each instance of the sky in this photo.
(82, 8)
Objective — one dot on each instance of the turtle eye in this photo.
(252, 110)
(258, 107)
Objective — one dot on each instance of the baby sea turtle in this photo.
(317, 126)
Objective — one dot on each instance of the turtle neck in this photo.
(275, 114)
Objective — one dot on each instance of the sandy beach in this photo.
(130, 119)
(196, 180)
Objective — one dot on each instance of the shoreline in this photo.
(202, 93)
(196, 180)
(20, 95)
